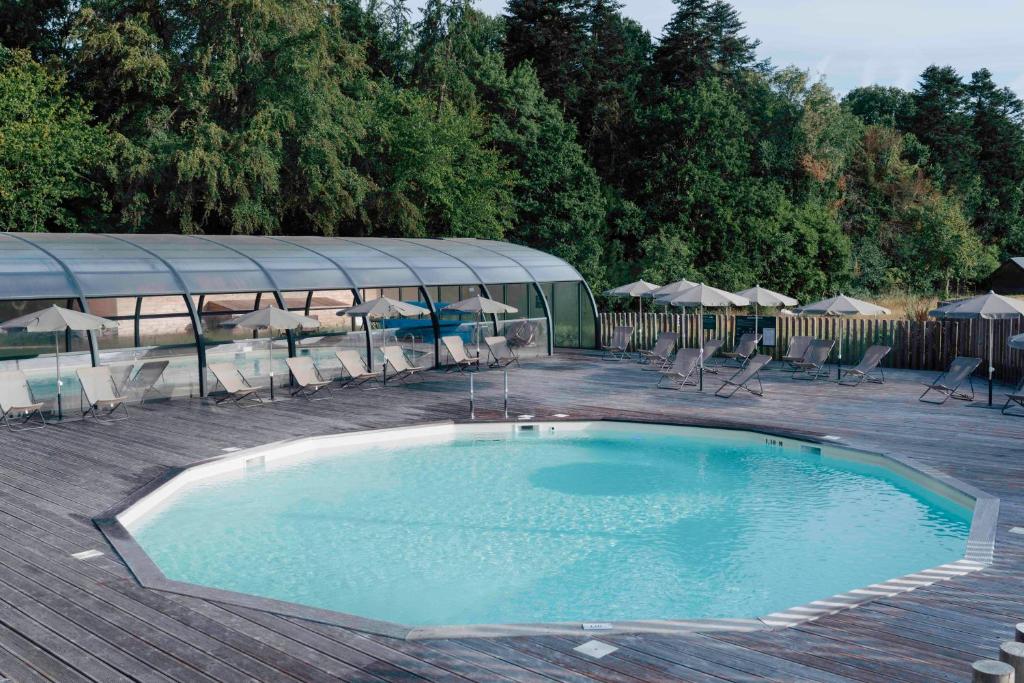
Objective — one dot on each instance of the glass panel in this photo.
(566, 314)
(588, 330)
(528, 337)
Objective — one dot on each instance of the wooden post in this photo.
(1012, 653)
(991, 671)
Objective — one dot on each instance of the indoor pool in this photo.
(553, 523)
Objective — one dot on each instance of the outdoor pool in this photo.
(555, 522)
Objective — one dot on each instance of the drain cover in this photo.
(595, 649)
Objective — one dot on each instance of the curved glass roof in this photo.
(67, 265)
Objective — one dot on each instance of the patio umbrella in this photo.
(667, 292)
(384, 307)
(1016, 341)
(704, 296)
(989, 307)
(481, 306)
(636, 290)
(273, 318)
(759, 296)
(842, 306)
(57, 320)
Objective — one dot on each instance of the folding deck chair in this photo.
(460, 358)
(948, 383)
(744, 376)
(352, 364)
(236, 385)
(712, 347)
(745, 348)
(815, 362)
(1016, 398)
(308, 379)
(400, 365)
(521, 334)
(865, 370)
(797, 349)
(19, 407)
(144, 380)
(660, 356)
(683, 371)
(618, 347)
(501, 353)
(99, 394)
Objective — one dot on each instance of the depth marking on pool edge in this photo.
(595, 649)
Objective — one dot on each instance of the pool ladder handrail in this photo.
(472, 394)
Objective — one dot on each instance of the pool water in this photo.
(605, 524)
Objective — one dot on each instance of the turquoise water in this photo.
(604, 525)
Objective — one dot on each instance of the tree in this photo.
(881, 105)
(941, 120)
(50, 150)
(703, 38)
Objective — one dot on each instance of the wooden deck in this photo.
(64, 619)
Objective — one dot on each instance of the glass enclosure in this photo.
(176, 300)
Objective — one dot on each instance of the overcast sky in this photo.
(859, 42)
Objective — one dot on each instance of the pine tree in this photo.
(704, 37)
(941, 121)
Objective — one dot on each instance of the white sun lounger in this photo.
(19, 407)
(501, 353)
(352, 365)
(460, 358)
(99, 394)
(401, 368)
(308, 379)
(235, 384)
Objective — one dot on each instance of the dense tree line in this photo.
(562, 124)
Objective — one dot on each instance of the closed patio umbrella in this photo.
(759, 296)
(637, 290)
(842, 306)
(989, 307)
(704, 296)
(273, 318)
(481, 306)
(57, 320)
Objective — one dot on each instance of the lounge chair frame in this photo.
(460, 357)
(403, 369)
(102, 409)
(797, 349)
(245, 396)
(1014, 399)
(868, 370)
(814, 365)
(495, 346)
(17, 417)
(348, 358)
(145, 379)
(660, 356)
(711, 348)
(745, 349)
(682, 376)
(618, 347)
(309, 390)
(960, 369)
(742, 378)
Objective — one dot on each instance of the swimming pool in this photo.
(549, 522)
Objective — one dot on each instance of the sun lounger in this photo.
(401, 368)
(683, 371)
(20, 408)
(742, 379)
(797, 349)
(308, 380)
(815, 361)
(660, 356)
(865, 370)
(711, 348)
(745, 348)
(1014, 399)
(618, 347)
(501, 353)
(235, 384)
(144, 379)
(460, 358)
(352, 365)
(99, 394)
(948, 383)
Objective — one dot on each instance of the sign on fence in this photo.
(763, 325)
(710, 322)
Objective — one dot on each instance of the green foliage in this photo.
(49, 150)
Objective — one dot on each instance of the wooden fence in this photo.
(916, 345)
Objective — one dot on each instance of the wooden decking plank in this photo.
(572, 662)
(42, 659)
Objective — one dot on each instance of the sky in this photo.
(862, 42)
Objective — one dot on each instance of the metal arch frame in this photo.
(434, 322)
(480, 282)
(277, 293)
(597, 314)
(94, 347)
(543, 298)
(343, 271)
(197, 323)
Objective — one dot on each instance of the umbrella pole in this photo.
(758, 345)
(991, 368)
(839, 357)
(700, 327)
(56, 349)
